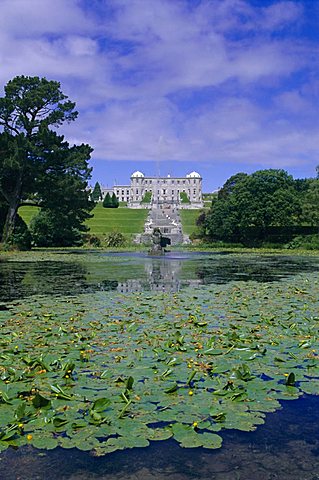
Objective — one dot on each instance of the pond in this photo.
(75, 273)
(101, 353)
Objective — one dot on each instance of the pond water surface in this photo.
(71, 274)
(286, 447)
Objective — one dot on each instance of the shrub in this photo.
(147, 197)
(55, 229)
(115, 239)
(107, 202)
(92, 240)
(114, 201)
(184, 198)
(307, 242)
(21, 237)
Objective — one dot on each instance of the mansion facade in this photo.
(147, 192)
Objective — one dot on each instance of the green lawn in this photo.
(188, 219)
(128, 221)
(124, 220)
(27, 213)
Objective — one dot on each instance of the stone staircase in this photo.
(164, 216)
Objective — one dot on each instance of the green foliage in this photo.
(305, 242)
(21, 237)
(51, 228)
(114, 201)
(111, 201)
(310, 204)
(3, 212)
(147, 197)
(184, 197)
(97, 193)
(92, 240)
(35, 163)
(102, 372)
(260, 200)
(107, 201)
(115, 239)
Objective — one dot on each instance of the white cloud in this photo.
(208, 77)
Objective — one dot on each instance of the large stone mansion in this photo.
(146, 192)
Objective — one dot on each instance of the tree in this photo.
(107, 202)
(310, 204)
(38, 166)
(97, 192)
(114, 200)
(266, 198)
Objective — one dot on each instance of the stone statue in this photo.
(156, 248)
(158, 242)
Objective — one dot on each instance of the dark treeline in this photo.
(266, 207)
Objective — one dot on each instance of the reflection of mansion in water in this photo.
(162, 275)
(182, 192)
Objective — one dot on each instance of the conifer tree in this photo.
(107, 202)
(115, 201)
(97, 192)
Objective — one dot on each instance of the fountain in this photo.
(158, 242)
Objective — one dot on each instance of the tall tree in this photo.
(107, 202)
(310, 204)
(36, 164)
(263, 199)
(115, 201)
(97, 192)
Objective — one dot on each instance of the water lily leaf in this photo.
(136, 355)
(101, 404)
(60, 393)
(291, 379)
(159, 434)
(129, 383)
(39, 401)
(172, 389)
(8, 433)
(59, 422)
(44, 441)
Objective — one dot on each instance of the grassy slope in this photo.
(27, 213)
(188, 219)
(125, 220)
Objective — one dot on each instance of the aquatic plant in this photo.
(109, 371)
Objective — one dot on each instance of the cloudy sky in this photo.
(171, 86)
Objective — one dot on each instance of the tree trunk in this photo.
(14, 203)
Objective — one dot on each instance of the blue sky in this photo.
(172, 86)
